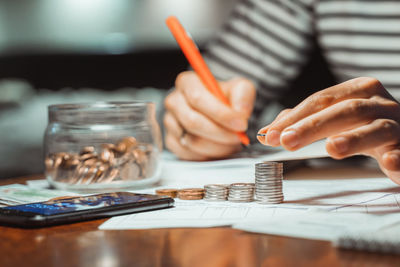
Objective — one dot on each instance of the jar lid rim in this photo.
(99, 104)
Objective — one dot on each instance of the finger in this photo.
(208, 148)
(264, 130)
(182, 152)
(198, 124)
(391, 160)
(200, 99)
(241, 94)
(362, 88)
(340, 117)
(172, 126)
(364, 139)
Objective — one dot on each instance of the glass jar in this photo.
(102, 146)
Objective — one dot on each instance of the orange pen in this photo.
(197, 62)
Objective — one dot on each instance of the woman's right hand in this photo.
(198, 125)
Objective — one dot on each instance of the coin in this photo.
(189, 197)
(130, 171)
(216, 192)
(126, 160)
(107, 155)
(130, 142)
(87, 149)
(268, 182)
(191, 193)
(241, 192)
(171, 192)
(121, 147)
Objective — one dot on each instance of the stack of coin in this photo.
(241, 192)
(191, 193)
(171, 192)
(216, 192)
(269, 182)
(126, 160)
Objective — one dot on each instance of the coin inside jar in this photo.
(125, 160)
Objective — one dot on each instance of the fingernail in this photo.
(290, 139)
(239, 125)
(261, 135)
(341, 144)
(273, 137)
(394, 158)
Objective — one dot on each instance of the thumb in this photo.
(241, 94)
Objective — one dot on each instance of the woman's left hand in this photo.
(357, 117)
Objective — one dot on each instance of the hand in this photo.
(357, 117)
(201, 127)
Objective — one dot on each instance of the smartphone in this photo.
(74, 209)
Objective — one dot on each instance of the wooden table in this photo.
(82, 244)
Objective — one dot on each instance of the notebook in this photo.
(383, 241)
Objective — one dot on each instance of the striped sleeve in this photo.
(361, 38)
(266, 41)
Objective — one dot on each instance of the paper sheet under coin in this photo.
(372, 197)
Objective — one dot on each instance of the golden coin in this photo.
(111, 175)
(140, 156)
(130, 171)
(130, 142)
(48, 162)
(121, 147)
(191, 190)
(90, 162)
(57, 161)
(72, 161)
(87, 149)
(87, 156)
(107, 155)
(171, 192)
(189, 197)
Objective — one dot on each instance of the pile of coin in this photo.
(126, 160)
(216, 192)
(170, 192)
(268, 184)
(241, 192)
(191, 193)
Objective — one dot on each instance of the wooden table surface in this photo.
(82, 244)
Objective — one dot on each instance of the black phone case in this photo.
(7, 217)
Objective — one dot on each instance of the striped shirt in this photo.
(269, 41)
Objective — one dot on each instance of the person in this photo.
(262, 48)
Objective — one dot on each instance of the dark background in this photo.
(105, 45)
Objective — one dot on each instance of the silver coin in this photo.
(268, 198)
(268, 183)
(241, 200)
(263, 188)
(216, 186)
(268, 194)
(269, 186)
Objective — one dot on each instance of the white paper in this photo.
(373, 197)
(320, 225)
(314, 150)
(368, 196)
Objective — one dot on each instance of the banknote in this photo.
(16, 194)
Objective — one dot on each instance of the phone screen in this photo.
(58, 206)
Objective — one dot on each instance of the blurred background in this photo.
(71, 51)
(58, 51)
